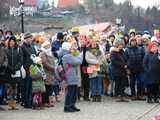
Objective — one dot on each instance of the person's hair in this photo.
(14, 39)
(9, 31)
(112, 36)
(132, 39)
(1, 31)
(60, 36)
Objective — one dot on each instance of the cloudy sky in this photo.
(142, 3)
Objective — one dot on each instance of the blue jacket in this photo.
(70, 64)
(134, 56)
(56, 45)
(152, 68)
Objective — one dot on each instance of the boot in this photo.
(156, 100)
(149, 100)
(99, 98)
(12, 104)
(51, 101)
(57, 98)
(94, 99)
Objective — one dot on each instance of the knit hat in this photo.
(118, 42)
(27, 35)
(146, 36)
(45, 44)
(66, 46)
(154, 39)
(132, 31)
(151, 45)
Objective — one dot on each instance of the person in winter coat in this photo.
(84, 74)
(70, 64)
(48, 62)
(15, 61)
(3, 63)
(119, 66)
(93, 58)
(57, 44)
(152, 75)
(134, 55)
(3, 66)
(28, 50)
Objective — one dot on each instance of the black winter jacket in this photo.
(118, 62)
(15, 59)
(28, 50)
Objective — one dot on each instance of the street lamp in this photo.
(21, 2)
(118, 22)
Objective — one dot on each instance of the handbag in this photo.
(23, 72)
(16, 75)
(19, 73)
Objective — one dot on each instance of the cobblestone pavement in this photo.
(106, 110)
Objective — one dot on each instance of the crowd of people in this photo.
(35, 73)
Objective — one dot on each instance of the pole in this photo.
(22, 20)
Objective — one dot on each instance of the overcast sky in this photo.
(142, 3)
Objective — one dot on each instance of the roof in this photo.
(104, 29)
(100, 27)
(67, 3)
(30, 2)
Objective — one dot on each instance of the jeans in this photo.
(2, 90)
(27, 91)
(96, 86)
(71, 96)
(137, 80)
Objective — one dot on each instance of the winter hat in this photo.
(146, 32)
(146, 36)
(118, 42)
(132, 31)
(27, 35)
(66, 46)
(45, 44)
(151, 45)
(154, 39)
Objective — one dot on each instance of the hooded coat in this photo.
(118, 62)
(152, 68)
(48, 62)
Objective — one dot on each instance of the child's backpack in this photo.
(36, 72)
